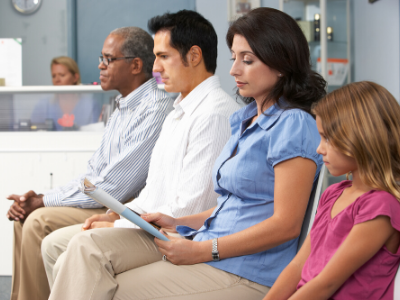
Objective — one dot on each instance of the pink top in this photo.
(375, 279)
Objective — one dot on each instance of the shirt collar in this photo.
(136, 96)
(189, 104)
(269, 117)
(265, 120)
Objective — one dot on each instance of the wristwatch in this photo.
(214, 251)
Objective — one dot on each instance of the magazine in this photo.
(100, 196)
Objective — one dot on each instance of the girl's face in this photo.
(336, 162)
(253, 77)
(62, 76)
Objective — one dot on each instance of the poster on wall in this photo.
(238, 8)
(11, 62)
(338, 68)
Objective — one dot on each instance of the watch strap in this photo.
(214, 251)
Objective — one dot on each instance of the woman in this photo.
(65, 111)
(264, 176)
(65, 71)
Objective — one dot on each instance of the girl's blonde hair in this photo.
(362, 120)
(71, 65)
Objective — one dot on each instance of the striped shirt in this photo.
(120, 165)
(192, 137)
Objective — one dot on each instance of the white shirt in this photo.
(120, 165)
(193, 135)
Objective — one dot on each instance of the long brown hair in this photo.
(277, 40)
(362, 120)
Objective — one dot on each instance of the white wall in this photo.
(44, 36)
(376, 41)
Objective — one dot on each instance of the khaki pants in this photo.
(53, 246)
(123, 263)
(29, 281)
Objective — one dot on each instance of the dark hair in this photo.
(137, 43)
(189, 28)
(277, 40)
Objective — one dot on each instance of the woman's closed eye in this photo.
(246, 61)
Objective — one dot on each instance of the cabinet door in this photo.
(22, 172)
(23, 168)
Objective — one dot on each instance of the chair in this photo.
(396, 295)
(312, 208)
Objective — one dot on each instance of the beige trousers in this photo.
(29, 281)
(123, 263)
(53, 247)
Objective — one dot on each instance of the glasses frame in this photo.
(103, 59)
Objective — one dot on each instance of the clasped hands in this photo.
(23, 205)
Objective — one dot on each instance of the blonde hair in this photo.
(71, 65)
(362, 120)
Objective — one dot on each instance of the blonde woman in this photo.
(65, 71)
(66, 111)
(352, 251)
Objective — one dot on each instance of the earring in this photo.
(280, 75)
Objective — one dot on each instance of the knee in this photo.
(47, 246)
(35, 223)
(80, 240)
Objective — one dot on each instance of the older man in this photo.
(119, 166)
(179, 182)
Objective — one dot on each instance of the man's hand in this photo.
(100, 221)
(15, 213)
(24, 205)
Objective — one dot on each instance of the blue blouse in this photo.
(86, 111)
(246, 184)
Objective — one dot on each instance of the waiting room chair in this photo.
(312, 208)
(397, 286)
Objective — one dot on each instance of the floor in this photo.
(5, 287)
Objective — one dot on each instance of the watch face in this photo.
(26, 6)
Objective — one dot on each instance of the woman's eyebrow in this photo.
(243, 52)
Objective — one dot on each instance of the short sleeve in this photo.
(294, 134)
(377, 203)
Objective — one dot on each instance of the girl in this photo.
(352, 251)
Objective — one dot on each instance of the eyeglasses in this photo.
(107, 60)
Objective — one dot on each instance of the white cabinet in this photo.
(26, 161)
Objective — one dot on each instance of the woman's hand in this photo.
(100, 221)
(181, 251)
(167, 223)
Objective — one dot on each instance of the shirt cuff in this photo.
(52, 200)
(124, 223)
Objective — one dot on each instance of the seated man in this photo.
(119, 166)
(179, 181)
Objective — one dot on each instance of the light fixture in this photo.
(329, 32)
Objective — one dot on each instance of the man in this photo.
(119, 166)
(179, 181)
